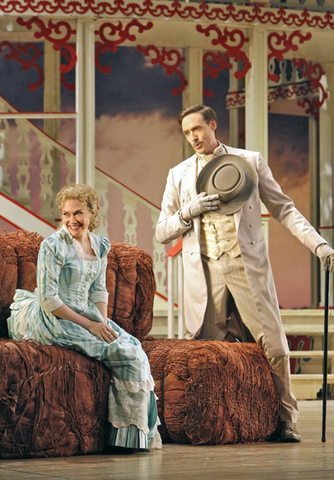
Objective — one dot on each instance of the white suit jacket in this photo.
(180, 188)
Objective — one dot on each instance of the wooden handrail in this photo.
(176, 249)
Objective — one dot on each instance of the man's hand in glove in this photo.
(200, 204)
(326, 255)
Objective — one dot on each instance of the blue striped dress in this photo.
(63, 276)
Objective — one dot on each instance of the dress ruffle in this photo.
(134, 387)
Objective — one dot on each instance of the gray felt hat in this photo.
(232, 178)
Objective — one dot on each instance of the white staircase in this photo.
(23, 218)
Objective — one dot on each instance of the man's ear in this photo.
(213, 125)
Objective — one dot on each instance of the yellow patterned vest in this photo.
(218, 232)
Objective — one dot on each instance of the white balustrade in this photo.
(32, 148)
(130, 202)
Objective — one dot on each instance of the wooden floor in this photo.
(310, 459)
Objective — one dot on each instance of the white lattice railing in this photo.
(128, 224)
(32, 163)
(32, 168)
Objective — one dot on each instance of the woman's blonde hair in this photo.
(86, 195)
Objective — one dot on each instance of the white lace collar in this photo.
(77, 245)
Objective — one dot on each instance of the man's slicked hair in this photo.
(207, 112)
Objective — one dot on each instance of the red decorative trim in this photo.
(59, 34)
(235, 99)
(313, 72)
(161, 57)
(291, 91)
(281, 43)
(26, 55)
(284, 92)
(109, 44)
(252, 14)
(233, 42)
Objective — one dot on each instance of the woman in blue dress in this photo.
(69, 308)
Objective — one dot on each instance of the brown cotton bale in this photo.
(8, 282)
(53, 401)
(26, 246)
(213, 392)
(131, 286)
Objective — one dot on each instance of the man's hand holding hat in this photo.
(326, 255)
(200, 204)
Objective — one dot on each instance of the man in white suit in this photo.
(225, 258)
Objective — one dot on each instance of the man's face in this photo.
(199, 134)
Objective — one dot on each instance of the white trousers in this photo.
(231, 314)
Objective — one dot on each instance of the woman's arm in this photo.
(101, 330)
(103, 310)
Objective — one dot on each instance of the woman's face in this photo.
(76, 217)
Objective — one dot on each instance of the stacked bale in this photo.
(213, 392)
(53, 401)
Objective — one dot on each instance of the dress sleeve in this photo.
(49, 265)
(98, 290)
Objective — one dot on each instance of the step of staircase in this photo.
(310, 354)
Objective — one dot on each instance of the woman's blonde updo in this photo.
(86, 195)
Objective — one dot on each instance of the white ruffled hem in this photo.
(134, 387)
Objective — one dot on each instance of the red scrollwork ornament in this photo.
(26, 54)
(170, 60)
(214, 62)
(313, 72)
(59, 34)
(233, 41)
(281, 43)
(114, 34)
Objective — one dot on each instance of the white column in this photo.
(326, 152)
(314, 203)
(193, 93)
(85, 103)
(256, 101)
(52, 103)
(257, 94)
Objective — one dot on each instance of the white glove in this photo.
(326, 255)
(200, 204)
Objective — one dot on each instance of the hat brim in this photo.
(204, 181)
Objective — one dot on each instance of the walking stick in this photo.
(324, 384)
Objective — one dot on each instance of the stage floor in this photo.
(310, 459)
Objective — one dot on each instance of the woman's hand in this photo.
(100, 329)
(103, 332)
